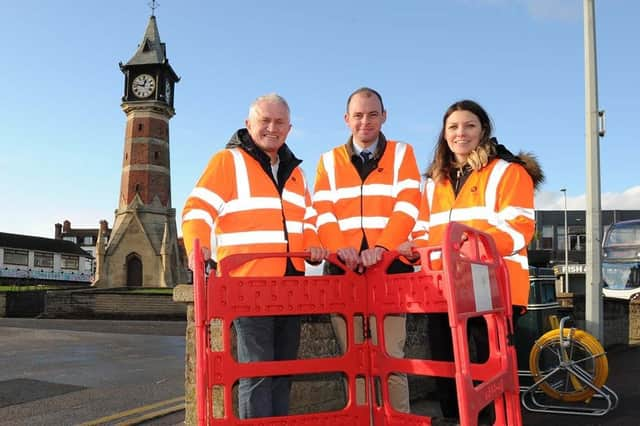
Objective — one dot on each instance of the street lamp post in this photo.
(566, 243)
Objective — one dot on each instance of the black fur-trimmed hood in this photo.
(527, 159)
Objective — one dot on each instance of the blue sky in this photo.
(62, 129)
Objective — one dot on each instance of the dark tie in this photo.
(366, 156)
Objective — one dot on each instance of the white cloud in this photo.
(627, 200)
(555, 9)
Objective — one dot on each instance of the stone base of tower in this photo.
(142, 251)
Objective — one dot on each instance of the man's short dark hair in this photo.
(365, 90)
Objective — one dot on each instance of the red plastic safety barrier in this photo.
(473, 278)
(225, 298)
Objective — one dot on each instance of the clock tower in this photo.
(143, 248)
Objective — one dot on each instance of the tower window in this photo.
(137, 189)
(140, 127)
(156, 155)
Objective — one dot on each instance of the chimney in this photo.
(104, 226)
(58, 233)
(67, 226)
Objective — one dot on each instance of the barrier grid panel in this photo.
(221, 299)
(473, 278)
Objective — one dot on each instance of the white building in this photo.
(28, 257)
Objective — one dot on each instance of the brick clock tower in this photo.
(143, 249)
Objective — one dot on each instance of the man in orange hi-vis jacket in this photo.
(253, 198)
(367, 194)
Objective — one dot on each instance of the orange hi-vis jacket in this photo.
(237, 208)
(383, 207)
(498, 200)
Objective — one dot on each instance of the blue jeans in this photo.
(266, 339)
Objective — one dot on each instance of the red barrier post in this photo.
(201, 333)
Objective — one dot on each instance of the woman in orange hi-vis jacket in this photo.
(475, 181)
(253, 198)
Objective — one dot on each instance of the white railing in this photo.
(45, 275)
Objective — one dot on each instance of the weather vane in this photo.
(153, 7)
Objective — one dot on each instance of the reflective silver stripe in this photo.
(459, 215)
(294, 227)
(345, 193)
(367, 222)
(516, 237)
(208, 197)
(401, 149)
(430, 188)
(310, 226)
(479, 213)
(435, 255)
(309, 212)
(378, 189)
(293, 198)
(198, 214)
(423, 237)
(421, 226)
(325, 218)
(242, 178)
(252, 203)
(499, 220)
(511, 213)
(407, 184)
(329, 166)
(491, 191)
(405, 207)
(349, 192)
(251, 237)
(325, 195)
(519, 259)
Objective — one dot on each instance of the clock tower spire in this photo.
(142, 250)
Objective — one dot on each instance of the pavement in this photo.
(69, 372)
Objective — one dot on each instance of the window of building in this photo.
(546, 242)
(577, 242)
(72, 239)
(87, 241)
(70, 262)
(43, 260)
(16, 257)
(561, 241)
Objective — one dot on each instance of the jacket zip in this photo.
(456, 190)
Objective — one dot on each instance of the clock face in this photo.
(143, 85)
(167, 91)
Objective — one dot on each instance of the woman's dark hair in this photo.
(443, 158)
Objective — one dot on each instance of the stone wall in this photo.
(92, 303)
(621, 318)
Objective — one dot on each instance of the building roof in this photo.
(28, 242)
(151, 50)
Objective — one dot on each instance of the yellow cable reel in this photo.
(578, 349)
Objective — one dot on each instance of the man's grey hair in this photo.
(271, 97)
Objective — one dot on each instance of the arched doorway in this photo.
(134, 270)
